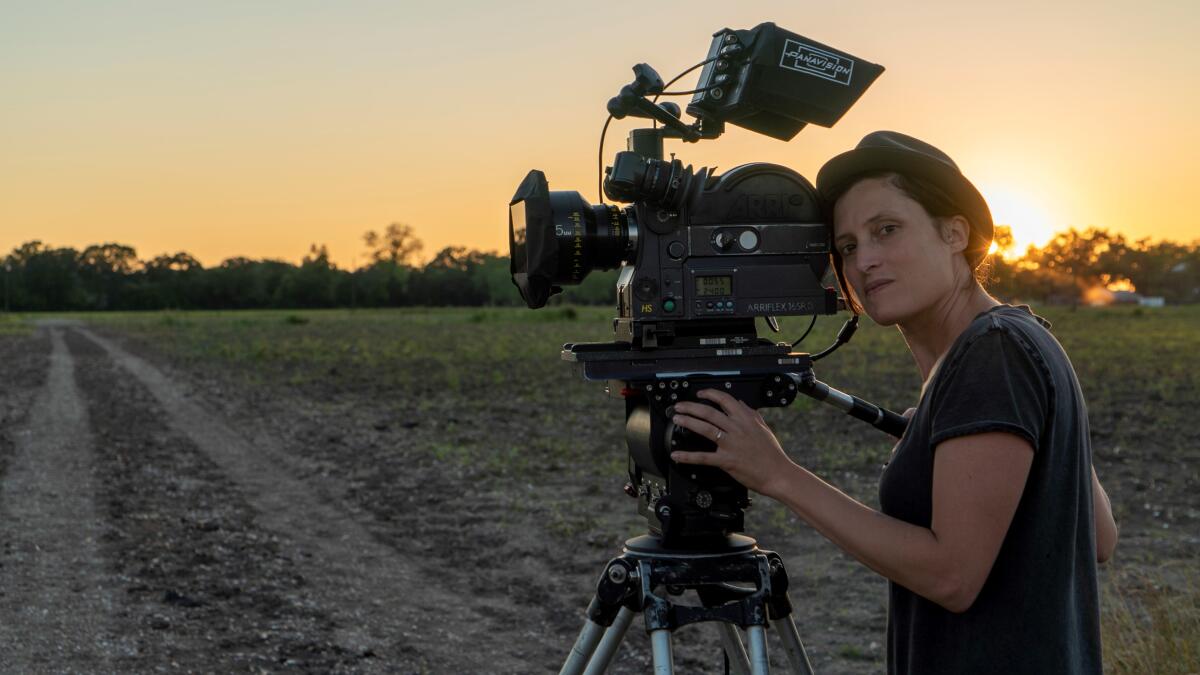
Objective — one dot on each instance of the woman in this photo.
(992, 519)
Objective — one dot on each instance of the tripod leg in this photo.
(604, 654)
(792, 646)
(664, 660)
(584, 647)
(759, 664)
(739, 663)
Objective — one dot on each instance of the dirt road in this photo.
(143, 532)
(59, 600)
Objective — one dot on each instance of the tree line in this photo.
(40, 277)
(110, 276)
(1074, 265)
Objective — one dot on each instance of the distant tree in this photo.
(1075, 261)
(598, 288)
(242, 283)
(496, 279)
(179, 262)
(312, 284)
(171, 282)
(109, 258)
(397, 244)
(1043, 284)
(46, 278)
(1166, 268)
(106, 270)
(382, 284)
(1088, 256)
(450, 278)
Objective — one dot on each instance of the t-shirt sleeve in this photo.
(995, 384)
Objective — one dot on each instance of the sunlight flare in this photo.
(1022, 211)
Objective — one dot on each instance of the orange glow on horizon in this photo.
(1121, 285)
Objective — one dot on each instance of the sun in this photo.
(1022, 211)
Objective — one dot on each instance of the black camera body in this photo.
(748, 243)
(698, 260)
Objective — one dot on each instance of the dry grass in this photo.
(1151, 624)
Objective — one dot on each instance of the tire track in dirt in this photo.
(379, 600)
(57, 599)
(207, 588)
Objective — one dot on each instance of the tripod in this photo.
(738, 584)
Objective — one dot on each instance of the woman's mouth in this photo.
(876, 285)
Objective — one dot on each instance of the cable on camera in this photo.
(810, 327)
(843, 337)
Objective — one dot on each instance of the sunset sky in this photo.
(259, 128)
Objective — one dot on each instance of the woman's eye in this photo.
(888, 228)
(847, 249)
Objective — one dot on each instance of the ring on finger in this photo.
(720, 433)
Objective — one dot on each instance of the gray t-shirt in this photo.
(1038, 611)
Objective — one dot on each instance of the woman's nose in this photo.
(866, 257)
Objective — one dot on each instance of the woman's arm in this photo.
(978, 481)
(1106, 525)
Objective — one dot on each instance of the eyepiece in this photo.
(633, 177)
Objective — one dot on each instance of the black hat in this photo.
(891, 151)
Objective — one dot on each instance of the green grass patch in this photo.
(1128, 361)
(14, 324)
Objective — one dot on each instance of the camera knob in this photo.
(723, 241)
(748, 240)
(645, 288)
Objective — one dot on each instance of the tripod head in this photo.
(687, 506)
(696, 506)
(693, 507)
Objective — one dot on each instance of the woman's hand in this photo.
(747, 450)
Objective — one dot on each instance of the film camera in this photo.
(701, 256)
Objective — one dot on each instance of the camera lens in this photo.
(557, 238)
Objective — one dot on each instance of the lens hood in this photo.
(533, 254)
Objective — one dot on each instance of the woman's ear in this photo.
(956, 232)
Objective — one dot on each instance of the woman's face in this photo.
(894, 254)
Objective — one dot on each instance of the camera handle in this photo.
(885, 420)
(632, 101)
